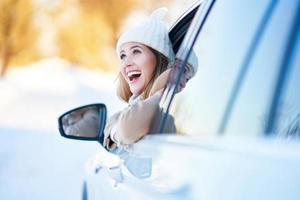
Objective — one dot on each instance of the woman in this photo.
(145, 53)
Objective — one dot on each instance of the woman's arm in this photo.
(160, 82)
(135, 120)
(110, 131)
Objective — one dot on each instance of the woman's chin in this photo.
(136, 90)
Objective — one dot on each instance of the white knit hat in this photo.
(152, 33)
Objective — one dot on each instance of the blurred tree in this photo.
(113, 11)
(17, 30)
(89, 34)
(81, 39)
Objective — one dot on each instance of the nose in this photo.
(127, 61)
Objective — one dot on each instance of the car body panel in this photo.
(219, 168)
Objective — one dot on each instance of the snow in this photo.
(35, 161)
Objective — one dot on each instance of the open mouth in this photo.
(133, 75)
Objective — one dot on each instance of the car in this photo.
(237, 120)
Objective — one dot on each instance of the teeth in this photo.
(132, 73)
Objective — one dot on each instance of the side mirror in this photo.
(84, 123)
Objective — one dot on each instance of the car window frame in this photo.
(189, 40)
(179, 29)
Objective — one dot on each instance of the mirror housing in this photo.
(84, 123)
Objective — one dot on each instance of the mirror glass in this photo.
(83, 122)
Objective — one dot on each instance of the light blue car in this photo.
(238, 119)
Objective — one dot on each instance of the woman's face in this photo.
(138, 63)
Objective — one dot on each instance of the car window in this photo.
(221, 48)
(252, 107)
(289, 114)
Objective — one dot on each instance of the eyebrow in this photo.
(135, 46)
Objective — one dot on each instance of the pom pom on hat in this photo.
(159, 13)
(152, 33)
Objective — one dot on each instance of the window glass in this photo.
(252, 106)
(289, 114)
(221, 49)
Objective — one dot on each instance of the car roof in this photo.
(180, 27)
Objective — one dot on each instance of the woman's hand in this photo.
(174, 73)
(170, 76)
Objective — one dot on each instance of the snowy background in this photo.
(35, 161)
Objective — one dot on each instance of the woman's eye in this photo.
(136, 51)
(122, 56)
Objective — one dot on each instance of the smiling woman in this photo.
(139, 68)
(147, 65)
(145, 52)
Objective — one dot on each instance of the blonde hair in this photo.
(123, 90)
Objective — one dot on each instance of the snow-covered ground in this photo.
(35, 161)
